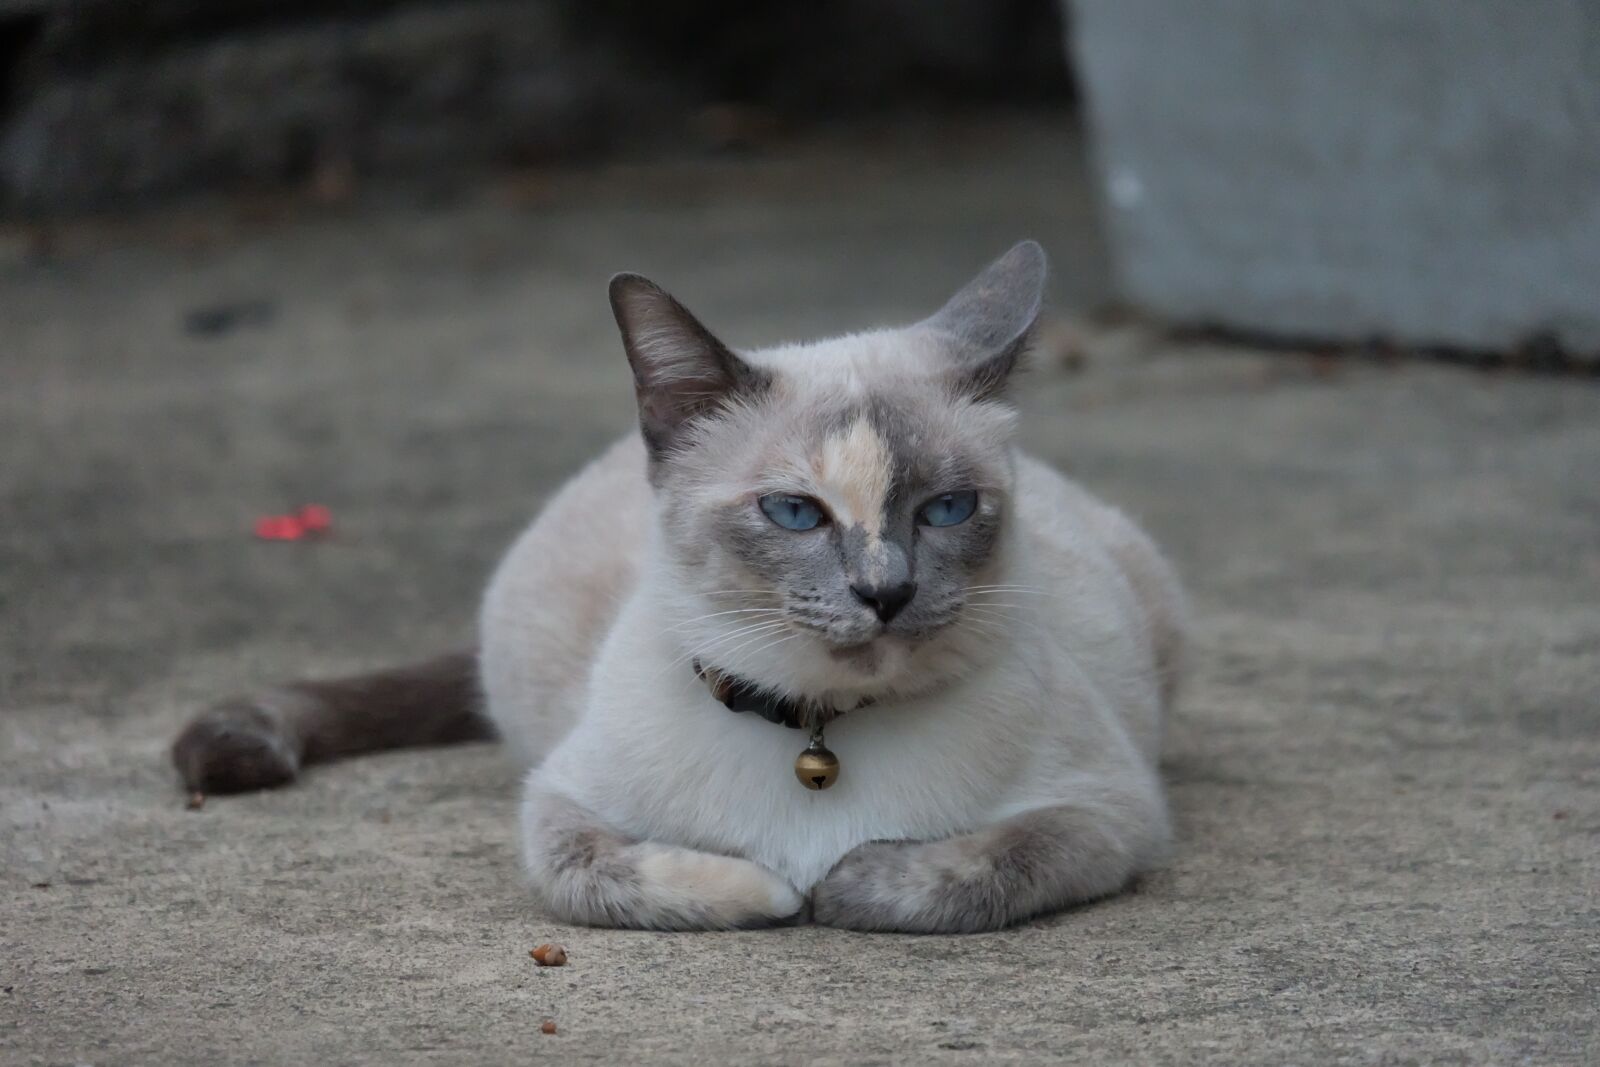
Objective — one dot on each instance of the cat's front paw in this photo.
(681, 889)
(662, 887)
(235, 746)
(865, 889)
(910, 887)
(589, 873)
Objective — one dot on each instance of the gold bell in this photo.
(816, 767)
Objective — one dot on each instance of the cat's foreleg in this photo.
(587, 872)
(1035, 862)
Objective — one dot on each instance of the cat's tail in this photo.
(262, 740)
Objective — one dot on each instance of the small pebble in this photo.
(547, 1027)
(214, 320)
(549, 955)
(196, 801)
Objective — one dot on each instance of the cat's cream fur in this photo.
(1008, 764)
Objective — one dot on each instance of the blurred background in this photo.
(112, 104)
(1323, 316)
(1422, 176)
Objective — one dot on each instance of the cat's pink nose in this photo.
(885, 600)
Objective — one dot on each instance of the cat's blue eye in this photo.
(793, 512)
(949, 509)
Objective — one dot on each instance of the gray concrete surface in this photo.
(1384, 771)
(1423, 172)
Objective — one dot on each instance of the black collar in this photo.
(736, 694)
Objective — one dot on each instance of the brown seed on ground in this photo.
(547, 1027)
(549, 955)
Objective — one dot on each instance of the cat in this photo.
(846, 533)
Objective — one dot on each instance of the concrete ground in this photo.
(1384, 770)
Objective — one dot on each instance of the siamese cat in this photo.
(837, 535)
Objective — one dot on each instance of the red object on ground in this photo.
(312, 520)
(279, 528)
(316, 518)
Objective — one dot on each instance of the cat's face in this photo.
(827, 508)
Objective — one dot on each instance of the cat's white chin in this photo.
(818, 667)
(867, 658)
(887, 664)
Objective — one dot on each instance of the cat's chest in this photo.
(697, 775)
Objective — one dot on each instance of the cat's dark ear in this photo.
(989, 322)
(680, 370)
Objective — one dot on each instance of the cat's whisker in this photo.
(711, 646)
(1000, 605)
(1021, 590)
(729, 654)
(716, 649)
(997, 605)
(716, 643)
(994, 613)
(740, 631)
(1005, 620)
(1007, 611)
(990, 627)
(771, 644)
(1019, 613)
(687, 623)
(733, 592)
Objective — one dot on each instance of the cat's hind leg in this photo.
(262, 740)
(587, 872)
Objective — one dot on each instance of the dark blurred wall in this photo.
(103, 105)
